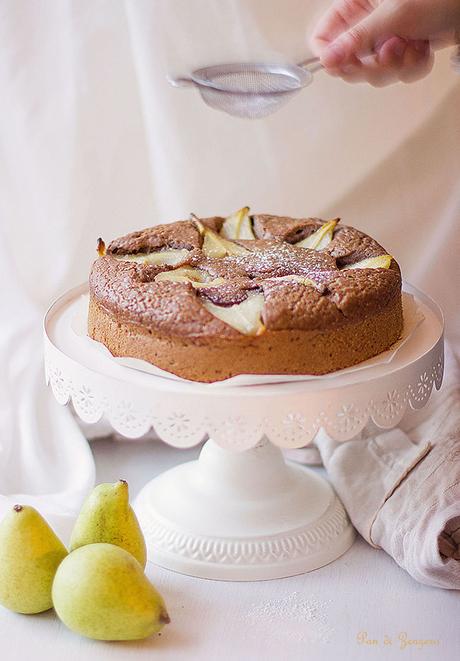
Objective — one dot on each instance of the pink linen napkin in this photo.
(401, 488)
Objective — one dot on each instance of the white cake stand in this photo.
(241, 512)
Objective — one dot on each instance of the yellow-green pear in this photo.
(30, 554)
(106, 516)
(100, 591)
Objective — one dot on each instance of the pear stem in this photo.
(164, 617)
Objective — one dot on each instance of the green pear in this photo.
(30, 554)
(100, 591)
(106, 516)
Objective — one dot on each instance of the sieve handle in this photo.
(181, 82)
(312, 64)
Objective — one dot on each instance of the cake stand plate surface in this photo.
(240, 512)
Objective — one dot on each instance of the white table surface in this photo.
(315, 616)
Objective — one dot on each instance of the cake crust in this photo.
(316, 317)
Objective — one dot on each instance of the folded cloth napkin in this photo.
(401, 488)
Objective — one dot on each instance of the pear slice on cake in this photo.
(321, 238)
(245, 317)
(216, 246)
(101, 249)
(379, 262)
(238, 226)
(181, 274)
(170, 257)
(197, 278)
(301, 279)
(209, 283)
(213, 245)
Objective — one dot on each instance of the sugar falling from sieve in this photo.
(250, 90)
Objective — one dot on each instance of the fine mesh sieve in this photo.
(250, 90)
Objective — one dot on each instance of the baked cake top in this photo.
(244, 274)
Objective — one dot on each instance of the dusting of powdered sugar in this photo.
(280, 259)
(293, 618)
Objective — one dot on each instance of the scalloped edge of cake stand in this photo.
(289, 414)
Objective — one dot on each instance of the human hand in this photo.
(384, 41)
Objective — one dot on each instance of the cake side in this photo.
(275, 352)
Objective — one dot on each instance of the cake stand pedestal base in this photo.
(242, 516)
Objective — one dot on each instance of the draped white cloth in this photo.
(94, 142)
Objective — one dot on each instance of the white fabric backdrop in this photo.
(94, 142)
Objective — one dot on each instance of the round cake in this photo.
(210, 298)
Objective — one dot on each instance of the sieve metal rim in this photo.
(303, 76)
